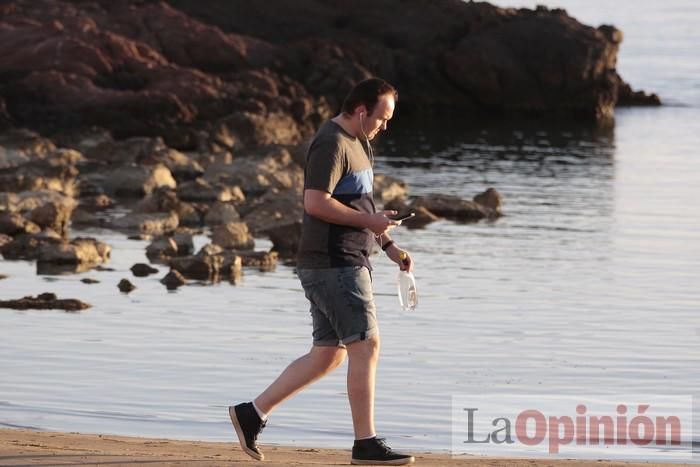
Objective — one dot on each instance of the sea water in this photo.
(588, 285)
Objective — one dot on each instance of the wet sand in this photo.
(25, 447)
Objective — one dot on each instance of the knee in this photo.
(330, 358)
(338, 359)
(364, 350)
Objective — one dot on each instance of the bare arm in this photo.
(320, 204)
(394, 252)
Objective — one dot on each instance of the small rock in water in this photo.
(491, 199)
(125, 286)
(173, 280)
(142, 270)
(209, 250)
(104, 268)
(4, 239)
(89, 280)
(141, 236)
(45, 301)
(422, 218)
(161, 248)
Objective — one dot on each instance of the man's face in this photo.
(382, 113)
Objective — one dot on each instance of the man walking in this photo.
(340, 224)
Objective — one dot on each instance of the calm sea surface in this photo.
(588, 286)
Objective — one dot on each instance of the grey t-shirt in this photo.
(337, 164)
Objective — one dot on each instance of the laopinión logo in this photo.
(623, 427)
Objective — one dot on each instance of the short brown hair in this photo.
(367, 92)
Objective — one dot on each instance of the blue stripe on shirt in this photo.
(355, 183)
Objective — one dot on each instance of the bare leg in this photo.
(362, 368)
(300, 373)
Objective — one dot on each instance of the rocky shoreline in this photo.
(143, 189)
(164, 120)
(222, 74)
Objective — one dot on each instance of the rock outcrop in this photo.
(45, 301)
(223, 74)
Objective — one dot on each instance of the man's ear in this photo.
(361, 110)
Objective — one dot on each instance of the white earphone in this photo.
(370, 152)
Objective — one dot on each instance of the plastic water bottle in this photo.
(408, 296)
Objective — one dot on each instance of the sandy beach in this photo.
(26, 447)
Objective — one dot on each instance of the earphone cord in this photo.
(370, 154)
(370, 151)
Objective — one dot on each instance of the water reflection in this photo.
(554, 177)
(526, 147)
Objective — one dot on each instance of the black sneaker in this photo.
(374, 451)
(248, 426)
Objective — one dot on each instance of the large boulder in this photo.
(153, 224)
(190, 214)
(264, 261)
(274, 209)
(285, 239)
(161, 248)
(210, 249)
(422, 218)
(221, 213)
(53, 215)
(29, 200)
(231, 261)
(80, 250)
(257, 174)
(233, 235)
(29, 161)
(451, 207)
(37, 177)
(28, 246)
(387, 188)
(137, 181)
(206, 268)
(163, 199)
(201, 190)
(20, 146)
(102, 148)
(181, 166)
(15, 224)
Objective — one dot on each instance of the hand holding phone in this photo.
(403, 217)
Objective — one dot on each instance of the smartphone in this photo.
(404, 217)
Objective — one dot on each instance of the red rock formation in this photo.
(270, 71)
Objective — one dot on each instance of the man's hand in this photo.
(379, 222)
(394, 254)
(320, 204)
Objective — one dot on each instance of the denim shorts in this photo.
(342, 304)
